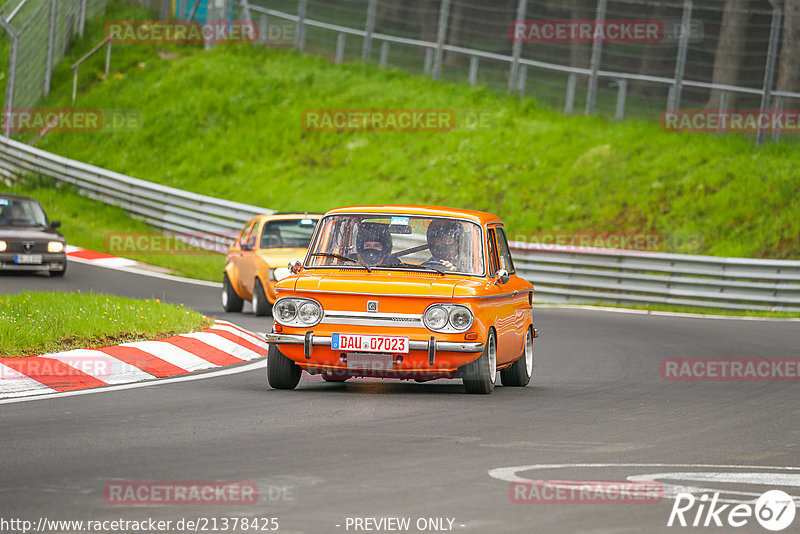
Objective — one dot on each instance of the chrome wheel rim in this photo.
(255, 299)
(529, 353)
(225, 295)
(491, 352)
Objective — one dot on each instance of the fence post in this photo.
(680, 62)
(193, 12)
(426, 68)
(776, 133)
(441, 35)
(164, 10)
(300, 34)
(51, 43)
(516, 49)
(246, 9)
(82, 18)
(384, 58)
(723, 107)
(473, 70)
(8, 105)
(622, 91)
(769, 70)
(369, 28)
(569, 102)
(263, 29)
(597, 48)
(340, 48)
(522, 74)
(108, 58)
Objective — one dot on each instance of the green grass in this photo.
(40, 322)
(227, 123)
(88, 223)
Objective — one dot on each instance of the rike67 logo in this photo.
(774, 510)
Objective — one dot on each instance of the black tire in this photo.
(261, 305)
(519, 373)
(282, 372)
(231, 302)
(59, 274)
(479, 376)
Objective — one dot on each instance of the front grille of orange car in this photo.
(391, 320)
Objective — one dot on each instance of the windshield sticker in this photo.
(400, 221)
(3, 202)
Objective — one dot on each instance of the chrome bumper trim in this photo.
(413, 344)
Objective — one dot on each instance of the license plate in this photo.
(370, 362)
(28, 258)
(369, 343)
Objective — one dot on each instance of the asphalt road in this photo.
(325, 452)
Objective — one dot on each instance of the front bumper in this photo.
(431, 345)
(53, 261)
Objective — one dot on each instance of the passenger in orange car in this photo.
(374, 244)
(443, 239)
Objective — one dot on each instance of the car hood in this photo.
(385, 283)
(280, 257)
(32, 233)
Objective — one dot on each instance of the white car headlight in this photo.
(435, 318)
(55, 246)
(3, 246)
(296, 311)
(448, 318)
(285, 311)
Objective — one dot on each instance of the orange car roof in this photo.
(480, 217)
(284, 216)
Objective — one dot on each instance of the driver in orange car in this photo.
(374, 244)
(443, 238)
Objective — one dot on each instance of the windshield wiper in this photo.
(341, 257)
(402, 265)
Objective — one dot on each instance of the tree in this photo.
(789, 69)
(730, 48)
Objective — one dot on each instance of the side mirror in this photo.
(56, 224)
(295, 266)
(502, 276)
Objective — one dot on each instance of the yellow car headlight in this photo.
(3, 246)
(55, 246)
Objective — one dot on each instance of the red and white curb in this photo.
(98, 258)
(220, 345)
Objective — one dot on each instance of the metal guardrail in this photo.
(560, 274)
(163, 207)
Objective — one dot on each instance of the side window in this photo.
(492, 248)
(248, 236)
(505, 254)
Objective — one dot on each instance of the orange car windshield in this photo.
(288, 233)
(398, 242)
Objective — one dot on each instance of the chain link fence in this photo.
(715, 54)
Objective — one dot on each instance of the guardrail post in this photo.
(473, 70)
(75, 84)
(441, 35)
(569, 101)
(384, 58)
(340, 48)
(597, 48)
(82, 18)
(769, 70)
(680, 62)
(300, 32)
(622, 91)
(516, 49)
(369, 28)
(51, 44)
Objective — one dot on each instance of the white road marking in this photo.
(213, 374)
(225, 345)
(172, 354)
(14, 383)
(151, 274)
(100, 366)
(789, 478)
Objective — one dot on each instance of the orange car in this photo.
(258, 258)
(405, 292)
